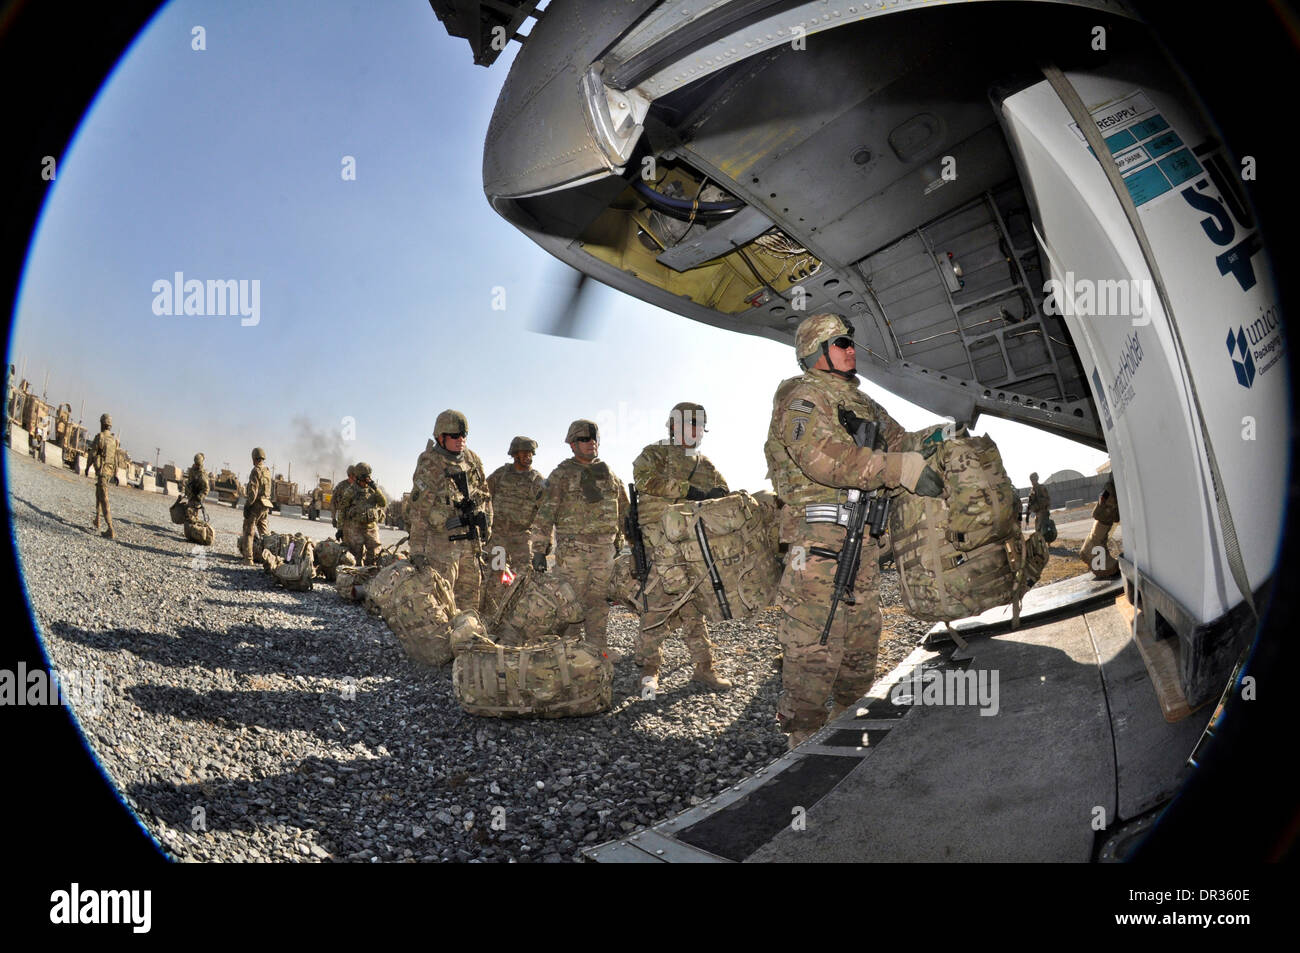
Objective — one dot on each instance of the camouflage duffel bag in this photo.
(178, 510)
(200, 533)
(741, 535)
(350, 581)
(940, 583)
(418, 606)
(556, 678)
(297, 568)
(379, 585)
(536, 605)
(331, 556)
(982, 503)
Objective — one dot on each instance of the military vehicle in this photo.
(70, 438)
(228, 487)
(283, 493)
(396, 515)
(319, 500)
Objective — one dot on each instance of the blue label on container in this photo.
(1180, 166)
(1165, 142)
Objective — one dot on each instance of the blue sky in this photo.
(375, 293)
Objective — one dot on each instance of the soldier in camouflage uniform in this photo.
(584, 503)
(436, 500)
(257, 505)
(103, 457)
(812, 459)
(516, 490)
(668, 472)
(360, 521)
(1039, 503)
(339, 499)
(196, 488)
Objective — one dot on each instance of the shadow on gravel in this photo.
(280, 710)
(287, 651)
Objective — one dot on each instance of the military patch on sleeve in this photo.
(797, 428)
(802, 406)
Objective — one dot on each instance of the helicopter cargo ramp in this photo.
(1039, 748)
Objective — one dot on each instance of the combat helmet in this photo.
(522, 445)
(105, 421)
(686, 410)
(258, 454)
(582, 430)
(1033, 478)
(451, 422)
(815, 333)
(362, 470)
(198, 459)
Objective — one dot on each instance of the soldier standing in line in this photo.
(360, 521)
(584, 503)
(447, 526)
(103, 457)
(668, 472)
(813, 459)
(516, 490)
(257, 505)
(1039, 503)
(339, 499)
(196, 488)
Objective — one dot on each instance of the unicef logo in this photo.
(1245, 367)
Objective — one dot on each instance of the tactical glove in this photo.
(929, 483)
(693, 494)
(716, 493)
(539, 562)
(903, 469)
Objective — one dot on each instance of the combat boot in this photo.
(109, 534)
(705, 675)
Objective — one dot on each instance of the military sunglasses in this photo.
(843, 343)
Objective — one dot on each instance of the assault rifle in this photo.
(632, 530)
(468, 515)
(867, 515)
(715, 578)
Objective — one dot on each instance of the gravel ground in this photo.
(245, 722)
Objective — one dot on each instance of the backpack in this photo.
(178, 510)
(555, 678)
(351, 581)
(963, 553)
(331, 555)
(536, 606)
(741, 531)
(297, 568)
(418, 606)
(200, 533)
(274, 544)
